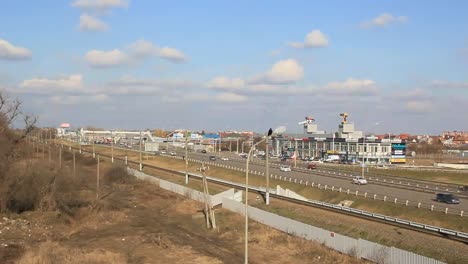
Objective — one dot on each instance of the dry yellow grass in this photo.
(54, 253)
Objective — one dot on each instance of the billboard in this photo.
(398, 153)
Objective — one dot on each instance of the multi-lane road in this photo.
(402, 191)
(406, 189)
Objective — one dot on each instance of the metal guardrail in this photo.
(448, 233)
(369, 195)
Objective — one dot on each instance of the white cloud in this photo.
(419, 106)
(314, 39)
(222, 82)
(44, 85)
(131, 86)
(89, 23)
(282, 72)
(171, 54)
(142, 49)
(384, 20)
(134, 53)
(10, 52)
(103, 59)
(352, 86)
(101, 5)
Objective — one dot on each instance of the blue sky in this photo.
(245, 65)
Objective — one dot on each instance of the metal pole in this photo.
(97, 179)
(60, 157)
(237, 146)
(186, 160)
(74, 165)
(141, 165)
(94, 152)
(112, 149)
(246, 234)
(267, 174)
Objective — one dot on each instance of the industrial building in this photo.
(348, 143)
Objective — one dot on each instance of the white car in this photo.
(163, 152)
(359, 180)
(285, 168)
(173, 153)
(224, 158)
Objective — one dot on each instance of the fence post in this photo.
(313, 184)
(385, 198)
(375, 195)
(356, 193)
(461, 213)
(406, 203)
(307, 182)
(325, 187)
(432, 207)
(126, 160)
(333, 188)
(446, 210)
(340, 189)
(419, 205)
(365, 195)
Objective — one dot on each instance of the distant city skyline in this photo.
(394, 66)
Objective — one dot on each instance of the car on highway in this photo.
(225, 158)
(312, 166)
(285, 168)
(203, 151)
(359, 180)
(163, 152)
(173, 153)
(212, 158)
(447, 198)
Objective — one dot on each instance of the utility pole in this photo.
(186, 160)
(94, 152)
(237, 146)
(141, 165)
(267, 174)
(112, 148)
(74, 165)
(97, 179)
(60, 157)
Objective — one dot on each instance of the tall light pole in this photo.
(141, 164)
(186, 159)
(246, 235)
(112, 147)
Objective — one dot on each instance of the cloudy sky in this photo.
(394, 66)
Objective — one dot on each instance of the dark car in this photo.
(447, 198)
(212, 158)
(312, 166)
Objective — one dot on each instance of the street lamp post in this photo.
(186, 160)
(246, 259)
(141, 164)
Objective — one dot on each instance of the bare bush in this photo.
(117, 174)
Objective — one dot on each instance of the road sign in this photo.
(290, 149)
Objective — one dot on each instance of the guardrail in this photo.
(449, 233)
(369, 195)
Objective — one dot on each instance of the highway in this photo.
(390, 190)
